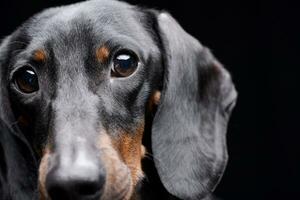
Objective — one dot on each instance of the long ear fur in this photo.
(189, 128)
(18, 166)
(4, 103)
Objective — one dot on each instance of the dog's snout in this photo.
(74, 189)
(59, 187)
(75, 184)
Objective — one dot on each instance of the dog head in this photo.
(80, 79)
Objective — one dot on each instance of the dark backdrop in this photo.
(258, 42)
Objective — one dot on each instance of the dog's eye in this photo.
(26, 80)
(124, 64)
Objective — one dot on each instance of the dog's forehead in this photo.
(97, 21)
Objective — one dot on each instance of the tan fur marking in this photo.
(143, 151)
(102, 54)
(43, 169)
(129, 148)
(118, 177)
(39, 55)
(154, 99)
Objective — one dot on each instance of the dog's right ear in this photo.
(18, 166)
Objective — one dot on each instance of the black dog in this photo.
(95, 85)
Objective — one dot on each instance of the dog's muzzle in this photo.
(82, 179)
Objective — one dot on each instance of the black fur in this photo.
(18, 167)
(187, 133)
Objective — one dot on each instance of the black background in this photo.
(259, 43)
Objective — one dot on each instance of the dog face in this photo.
(79, 80)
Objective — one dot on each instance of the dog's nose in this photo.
(81, 185)
(74, 189)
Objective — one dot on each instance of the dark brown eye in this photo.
(26, 80)
(124, 64)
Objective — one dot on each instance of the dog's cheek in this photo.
(129, 147)
(118, 175)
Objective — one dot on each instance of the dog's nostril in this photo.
(88, 188)
(57, 191)
(74, 187)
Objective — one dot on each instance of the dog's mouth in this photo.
(120, 179)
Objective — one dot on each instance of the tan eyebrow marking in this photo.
(102, 54)
(39, 55)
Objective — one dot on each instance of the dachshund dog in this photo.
(95, 87)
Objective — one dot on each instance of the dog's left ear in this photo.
(189, 127)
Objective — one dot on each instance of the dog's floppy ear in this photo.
(9, 46)
(5, 107)
(18, 166)
(189, 127)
